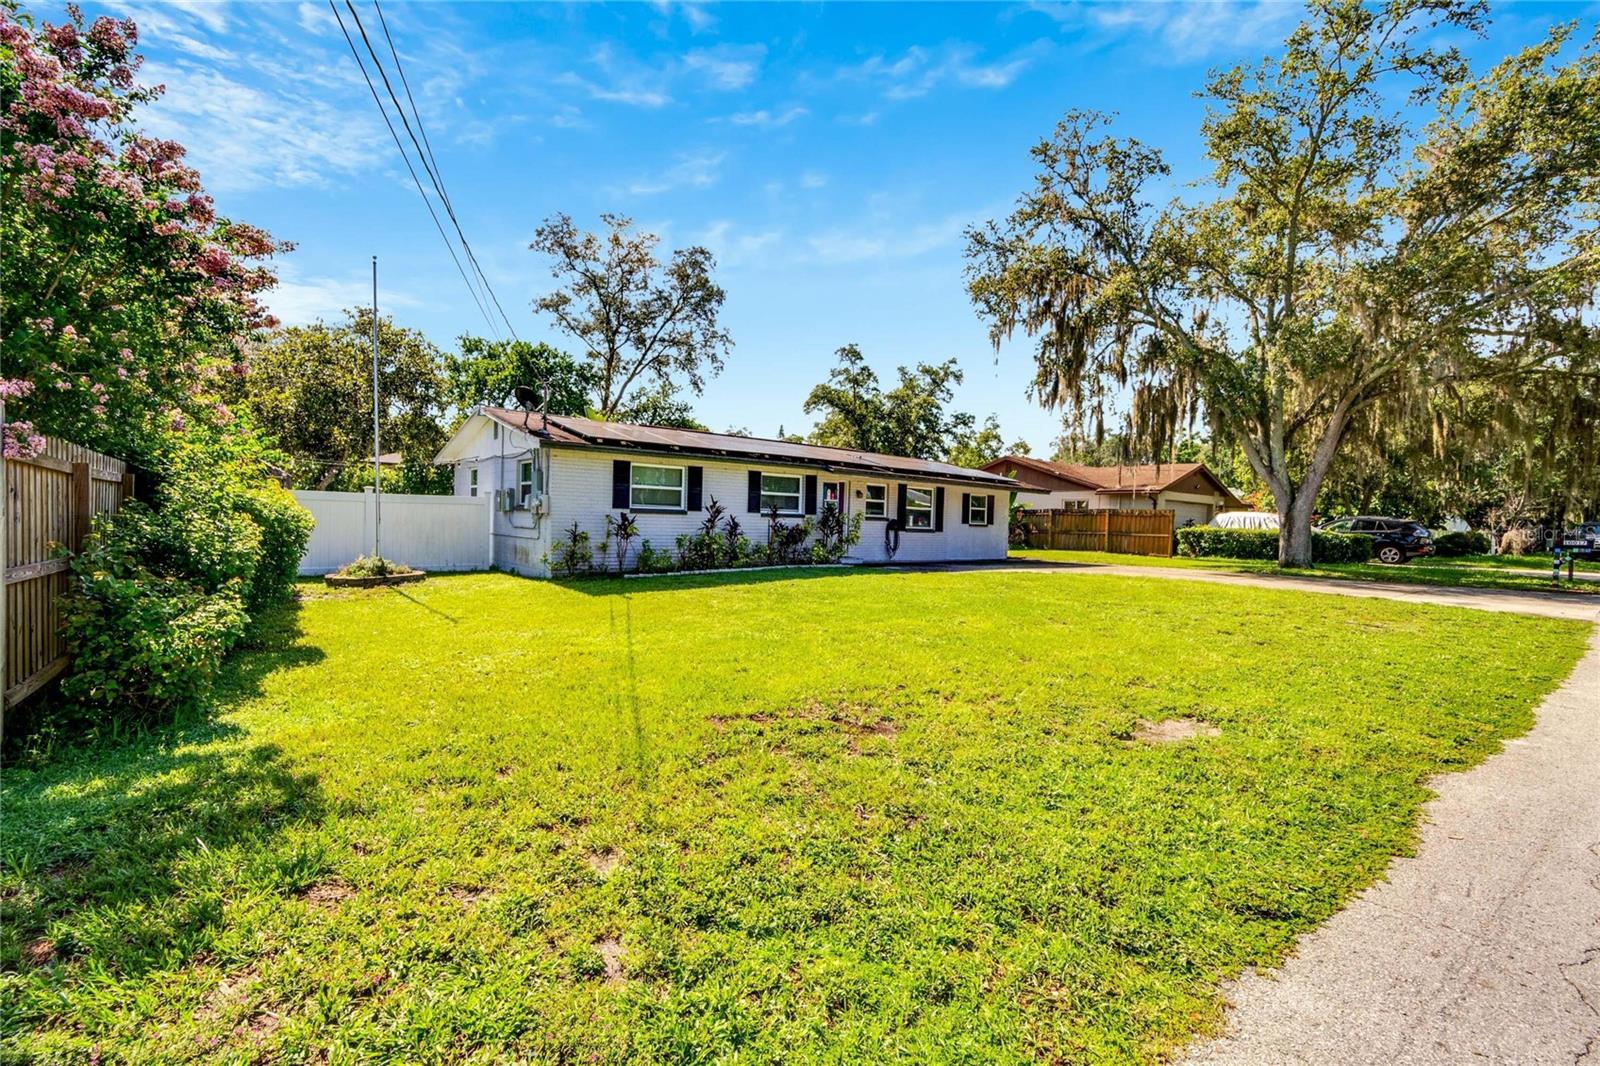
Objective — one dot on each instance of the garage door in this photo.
(1190, 514)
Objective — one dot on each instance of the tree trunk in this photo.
(1294, 526)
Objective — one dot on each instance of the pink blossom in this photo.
(15, 388)
(21, 442)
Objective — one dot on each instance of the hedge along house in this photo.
(1189, 490)
(542, 473)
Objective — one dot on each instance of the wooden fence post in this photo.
(82, 504)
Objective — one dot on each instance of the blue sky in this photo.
(830, 155)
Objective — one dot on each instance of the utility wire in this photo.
(424, 155)
(435, 173)
(449, 245)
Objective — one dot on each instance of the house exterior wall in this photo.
(579, 489)
(1055, 499)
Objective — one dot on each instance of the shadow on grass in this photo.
(117, 857)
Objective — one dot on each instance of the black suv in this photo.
(1394, 540)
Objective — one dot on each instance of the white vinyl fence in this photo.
(426, 532)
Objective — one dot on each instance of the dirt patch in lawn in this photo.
(41, 952)
(603, 862)
(610, 950)
(328, 894)
(1173, 730)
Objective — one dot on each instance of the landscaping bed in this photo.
(799, 816)
(365, 581)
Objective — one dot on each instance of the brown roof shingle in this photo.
(572, 430)
(1141, 478)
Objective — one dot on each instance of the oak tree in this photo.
(1355, 253)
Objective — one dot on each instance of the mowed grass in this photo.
(1526, 573)
(797, 817)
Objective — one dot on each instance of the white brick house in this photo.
(542, 473)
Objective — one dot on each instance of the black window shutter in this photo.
(991, 512)
(811, 494)
(900, 506)
(621, 477)
(755, 492)
(938, 509)
(966, 507)
(696, 480)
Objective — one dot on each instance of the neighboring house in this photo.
(544, 473)
(1190, 490)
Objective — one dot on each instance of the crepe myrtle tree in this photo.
(1347, 254)
(128, 303)
(644, 324)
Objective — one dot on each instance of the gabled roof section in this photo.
(570, 430)
(1147, 479)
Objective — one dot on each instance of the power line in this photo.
(431, 163)
(449, 245)
(424, 156)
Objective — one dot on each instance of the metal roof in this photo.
(572, 430)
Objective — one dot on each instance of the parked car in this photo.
(1394, 540)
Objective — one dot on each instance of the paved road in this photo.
(1584, 607)
(1484, 948)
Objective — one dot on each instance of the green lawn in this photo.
(1473, 571)
(800, 817)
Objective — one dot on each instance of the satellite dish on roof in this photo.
(527, 398)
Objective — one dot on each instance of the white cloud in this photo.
(735, 249)
(764, 117)
(1185, 32)
(695, 14)
(727, 66)
(315, 18)
(880, 240)
(242, 137)
(695, 171)
(299, 301)
(624, 81)
(813, 179)
(870, 118)
(920, 70)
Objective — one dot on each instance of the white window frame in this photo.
(867, 501)
(525, 484)
(634, 486)
(822, 495)
(798, 495)
(472, 481)
(914, 511)
(979, 501)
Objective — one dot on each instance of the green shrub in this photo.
(159, 595)
(372, 566)
(1228, 543)
(1471, 543)
(1340, 547)
(143, 645)
(285, 528)
(1215, 543)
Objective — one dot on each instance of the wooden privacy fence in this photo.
(50, 500)
(1128, 532)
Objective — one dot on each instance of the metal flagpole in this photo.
(377, 465)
